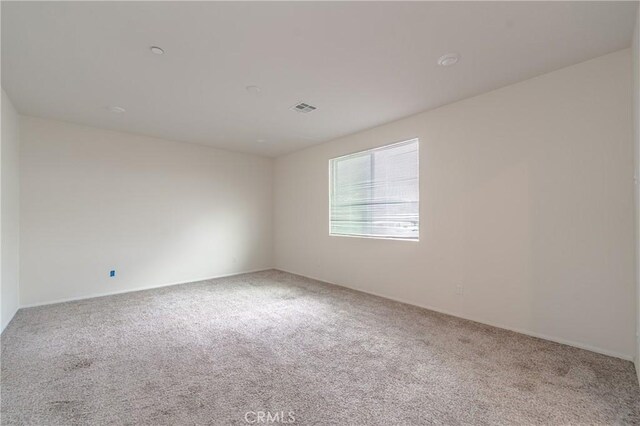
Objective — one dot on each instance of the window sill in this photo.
(374, 237)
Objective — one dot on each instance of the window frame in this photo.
(331, 190)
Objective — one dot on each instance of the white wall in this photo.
(526, 201)
(156, 211)
(10, 202)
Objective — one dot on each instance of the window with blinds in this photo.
(375, 193)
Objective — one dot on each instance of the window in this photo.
(374, 193)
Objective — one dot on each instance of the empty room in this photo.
(327, 213)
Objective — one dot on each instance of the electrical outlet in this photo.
(459, 290)
(112, 273)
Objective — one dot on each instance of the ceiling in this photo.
(361, 64)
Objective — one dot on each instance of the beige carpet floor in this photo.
(213, 351)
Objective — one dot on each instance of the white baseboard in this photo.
(431, 308)
(9, 322)
(479, 320)
(112, 293)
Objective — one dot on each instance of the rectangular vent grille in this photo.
(304, 108)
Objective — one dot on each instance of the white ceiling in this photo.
(361, 64)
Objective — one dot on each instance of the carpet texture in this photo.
(209, 352)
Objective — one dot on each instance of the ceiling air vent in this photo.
(302, 107)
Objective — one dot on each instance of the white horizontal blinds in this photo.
(375, 193)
